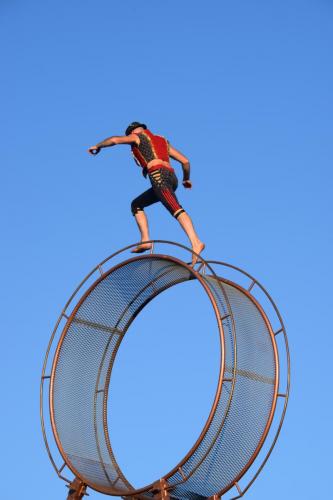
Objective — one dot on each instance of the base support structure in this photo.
(160, 490)
(77, 489)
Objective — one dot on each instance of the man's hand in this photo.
(187, 184)
(94, 150)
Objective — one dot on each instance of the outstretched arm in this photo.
(177, 155)
(113, 141)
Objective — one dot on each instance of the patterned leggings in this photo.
(164, 184)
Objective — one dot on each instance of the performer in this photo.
(152, 153)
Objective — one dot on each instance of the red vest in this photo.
(151, 147)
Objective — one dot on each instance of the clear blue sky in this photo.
(244, 88)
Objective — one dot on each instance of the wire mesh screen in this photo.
(83, 364)
(249, 413)
(85, 357)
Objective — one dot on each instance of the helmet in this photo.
(134, 125)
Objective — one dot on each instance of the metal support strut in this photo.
(77, 489)
(160, 490)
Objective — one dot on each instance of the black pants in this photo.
(164, 184)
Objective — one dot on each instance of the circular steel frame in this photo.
(283, 392)
(132, 491)
(100, 270)
(203, 266)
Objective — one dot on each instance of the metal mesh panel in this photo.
(196, 459)
(86, 353)
(84, 361)
(250, 407)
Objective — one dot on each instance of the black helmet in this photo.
(134, 125)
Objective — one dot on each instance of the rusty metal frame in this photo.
(248, 465)
(276, 387)
(102, 274)
(111, 362)
(203, 266)
(285, 393)
(178, 467)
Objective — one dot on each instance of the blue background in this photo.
(244, 88)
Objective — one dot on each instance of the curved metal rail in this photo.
(283, 392)
(199, 473)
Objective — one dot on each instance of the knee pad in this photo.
(178, 213)
(135, 208)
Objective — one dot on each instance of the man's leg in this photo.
(186, 223)
(144, 200)
(164, 188)
(142, 223)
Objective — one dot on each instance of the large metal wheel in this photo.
(81, 355)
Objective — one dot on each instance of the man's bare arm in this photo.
(114, 141)
(177, 155)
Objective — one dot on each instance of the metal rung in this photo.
(251, 375)
(100, 269)
(62, 468)
(280, 395)
(238, 489)
(46, 376)
(182, 473)
(251, 286)
(227, 380)
(98, 326)
(201, 266)
(225, 317)
(115, 481)
(99, 390)
(279, 331)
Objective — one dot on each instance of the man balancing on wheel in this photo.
(152, 153)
